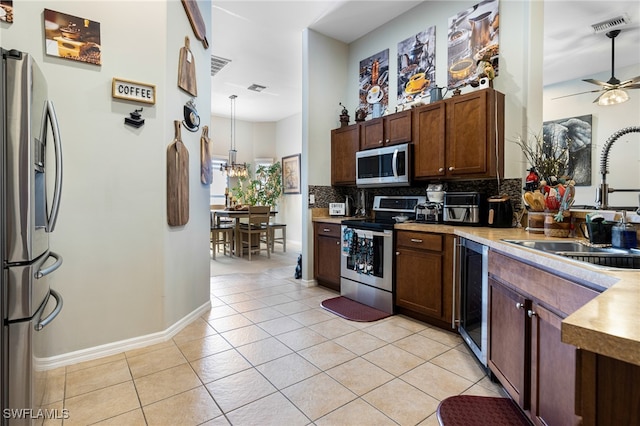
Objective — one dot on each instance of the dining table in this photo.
(237, 216)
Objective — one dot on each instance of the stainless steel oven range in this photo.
(366, 269)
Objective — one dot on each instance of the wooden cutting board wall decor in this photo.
(196, 21)
(206, 175)
(177, 181)
(187, 70)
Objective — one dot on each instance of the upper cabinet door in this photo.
(344, 145)
(467, 134)
(429, 140)
(372, 134)
(397, 128)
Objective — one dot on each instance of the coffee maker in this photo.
(431, 211)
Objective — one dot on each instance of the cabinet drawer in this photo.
(328, 229)
(420, 240)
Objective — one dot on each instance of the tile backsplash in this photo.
(336, 194)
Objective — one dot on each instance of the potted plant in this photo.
(262, 189)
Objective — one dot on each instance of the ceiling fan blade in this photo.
(599, 83)
(631, 86)
(633, 80)
(576, 94)
(598, 98)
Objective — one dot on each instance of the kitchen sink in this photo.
(606, 257)
(560, 246)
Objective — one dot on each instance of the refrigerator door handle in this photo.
(55, 205)
(41, 272)
(42, 323)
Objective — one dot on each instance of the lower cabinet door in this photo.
(553, 371)
(508, 341)
(419, 282)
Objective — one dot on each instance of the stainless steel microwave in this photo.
(387, 166)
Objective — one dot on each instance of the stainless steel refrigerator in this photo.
(30, 189)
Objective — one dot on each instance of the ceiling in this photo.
(263, 40)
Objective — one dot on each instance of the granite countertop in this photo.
(608, 325)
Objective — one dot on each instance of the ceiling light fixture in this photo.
(612, 97)
(231, 168)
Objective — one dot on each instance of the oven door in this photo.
(370, 258)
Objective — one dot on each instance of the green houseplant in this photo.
(262, 189)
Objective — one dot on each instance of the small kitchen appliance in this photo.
(500, 214)
(464, 208)
(431, 211)
(386, 166)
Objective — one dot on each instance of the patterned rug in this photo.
(352, 310)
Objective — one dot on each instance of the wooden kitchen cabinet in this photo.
(526, 354)
(345, 142)
(460, 137)
(509, 336)
(424, 276)
(607, 390)
(327, 251)
(388, 130)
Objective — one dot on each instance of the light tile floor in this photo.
(267, 353)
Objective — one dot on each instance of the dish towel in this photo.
(349, 242)
(363, 263)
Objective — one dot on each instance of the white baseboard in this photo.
(122, 345)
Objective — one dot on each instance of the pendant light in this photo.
(231, 168)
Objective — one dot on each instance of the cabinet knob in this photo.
(520, 306)
(451, 168)
(441, 169)
(397, 253)
(531, 313)
(380, 142)
(338, 243)
(387, 141)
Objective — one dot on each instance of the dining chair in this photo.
(255, 230)
(221, 235)
(282, 239)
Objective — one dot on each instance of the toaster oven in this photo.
(464, 208)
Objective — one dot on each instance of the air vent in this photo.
(611, 24)
(256, 87)
(217, 63)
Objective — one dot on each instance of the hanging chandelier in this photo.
(231, 168)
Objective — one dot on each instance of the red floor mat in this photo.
(351, 310)
(468, 410)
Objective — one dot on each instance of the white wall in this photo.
(289, 142)
(624, 156)
(520, 65)
(125, 272)
(324, 82)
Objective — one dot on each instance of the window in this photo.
(219, 182)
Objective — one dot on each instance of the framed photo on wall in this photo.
(72, 37)
(291, 174)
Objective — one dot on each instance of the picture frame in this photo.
(133, 91)
(291, 174)
(72, 37)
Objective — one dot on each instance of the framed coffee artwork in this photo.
(72, 37)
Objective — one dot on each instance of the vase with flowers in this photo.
(547, 187)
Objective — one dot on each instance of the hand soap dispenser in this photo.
(623, 235)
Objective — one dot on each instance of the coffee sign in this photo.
(133, 91)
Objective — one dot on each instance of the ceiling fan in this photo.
(614, 90)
